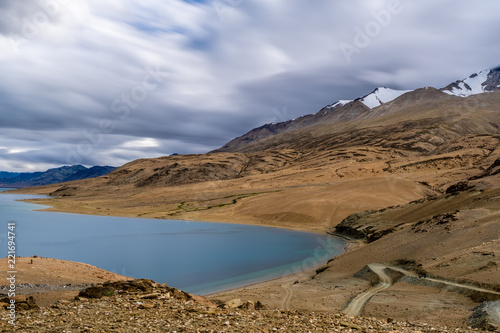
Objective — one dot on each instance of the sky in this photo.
(105, 82)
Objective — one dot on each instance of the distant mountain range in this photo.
(4, 174)
(52, 176)
(370, 106)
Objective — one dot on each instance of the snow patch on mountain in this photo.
(380, 96)
(472, 85)
(342, 102)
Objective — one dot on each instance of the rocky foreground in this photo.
(146, 306)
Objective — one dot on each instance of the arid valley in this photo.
(413, 185)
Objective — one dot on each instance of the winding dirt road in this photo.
(356, 305)
(285, 304)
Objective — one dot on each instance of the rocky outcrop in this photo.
(444, 220)
(97, 292)
(22, 303)
(493, 80)
(65, 191)
(350, 226)
(486, 316)
(148, 288)
(237, 303)
(492, 170)
(459, 187)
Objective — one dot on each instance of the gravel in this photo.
(164, 309)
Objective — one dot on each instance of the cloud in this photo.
(79, 85)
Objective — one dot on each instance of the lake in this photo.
(198, 257)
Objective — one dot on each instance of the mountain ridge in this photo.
(6, 174)
(378, 98)
(484, 81)
(53, 176)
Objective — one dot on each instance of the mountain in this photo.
(52, 176)
(92, 172)
(340, 111)
(484, 81)
(4, 174)
(346, 110)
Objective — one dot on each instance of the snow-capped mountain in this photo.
(380, 96)
(367, 106)
(485, 81)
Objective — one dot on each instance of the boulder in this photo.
(150, 296)
(97, 292)
(143, 285)
(249, 305)
(259, 306)
(234, 303)
(22, 303)
(486, 316)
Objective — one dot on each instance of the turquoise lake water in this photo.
(198, 257)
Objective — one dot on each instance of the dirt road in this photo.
(356, 305)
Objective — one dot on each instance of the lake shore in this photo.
(57, 206)
(51, 273)
(306, 203)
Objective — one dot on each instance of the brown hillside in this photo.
(416, 146)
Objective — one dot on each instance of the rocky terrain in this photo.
(145, 306)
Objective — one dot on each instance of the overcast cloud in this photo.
(110, 81)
